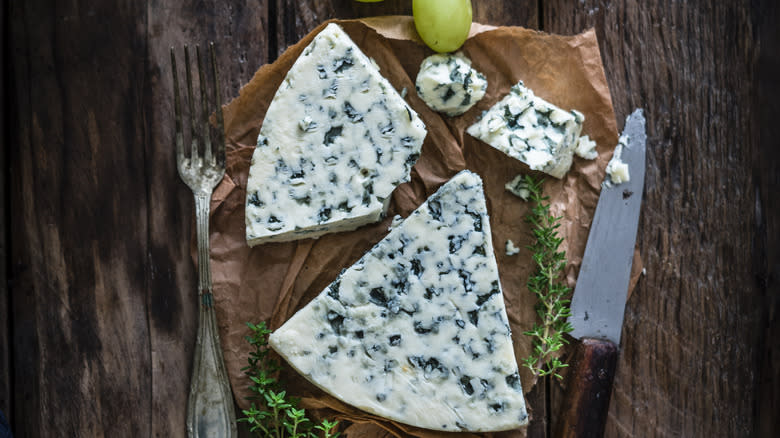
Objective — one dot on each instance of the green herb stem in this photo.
(272, 413)
(545, 282)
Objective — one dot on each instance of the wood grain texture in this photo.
(5, 297)
(766, 252)
(523, 13)
(239, 31)
(78, 243)
(691, 341)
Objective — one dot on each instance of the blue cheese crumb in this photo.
(519, 187)
(416, 330)
(531, 130)
(617, 170)
(448, 84)
(335, 142)
(586, 148)
(511, 249)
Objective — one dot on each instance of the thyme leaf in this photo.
(546, 283)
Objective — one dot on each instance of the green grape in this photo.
(443, 24)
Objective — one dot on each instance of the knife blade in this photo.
(599, 299)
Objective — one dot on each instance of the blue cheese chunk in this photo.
(586, 148)
(532, 130)
(448, 84)
(335, 142)
(416, 330)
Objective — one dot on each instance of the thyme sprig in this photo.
(272, 413)
(545, 282)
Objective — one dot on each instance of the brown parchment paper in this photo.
(270, 282)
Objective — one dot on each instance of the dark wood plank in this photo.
(239, 31)
(691, 340)
(766, 257)
(79, 225)
(5, 297)
(523, 13)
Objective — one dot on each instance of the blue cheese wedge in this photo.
(416, 330)
(448, 84)
(335, 142)
(532, 130)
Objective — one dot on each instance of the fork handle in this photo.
(210, 411)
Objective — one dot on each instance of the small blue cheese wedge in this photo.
(532, 130)
(416, 330)
(335, 142)
(448, 84)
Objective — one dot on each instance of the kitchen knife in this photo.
(599, 299)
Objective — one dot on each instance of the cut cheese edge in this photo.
(416, 331)
(335, 142)
(531, 130)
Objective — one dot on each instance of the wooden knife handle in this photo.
(590, 386)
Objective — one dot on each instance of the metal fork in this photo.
(210, 411)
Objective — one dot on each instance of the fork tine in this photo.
(220, 140)
(177, 110)
(194, 154)
(204, 110)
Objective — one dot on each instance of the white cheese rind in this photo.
(335, 142)
(416, 331)
(448, 84)
(510, 248)
(532, 130)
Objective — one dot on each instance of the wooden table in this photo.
(97, 304)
